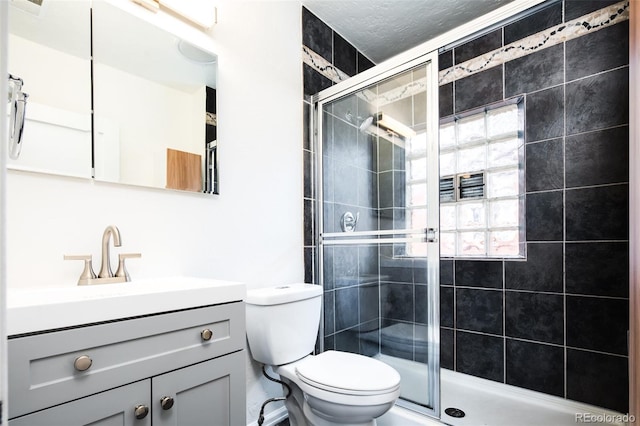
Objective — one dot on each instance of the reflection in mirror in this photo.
(49, 51)
(154, 103)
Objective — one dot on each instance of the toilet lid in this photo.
(348, 373)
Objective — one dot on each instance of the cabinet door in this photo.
(207, 394)
(115, 407)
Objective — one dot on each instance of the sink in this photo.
(37, 309)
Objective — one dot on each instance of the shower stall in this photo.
(377, 183)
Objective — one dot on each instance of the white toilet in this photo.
(332, 388)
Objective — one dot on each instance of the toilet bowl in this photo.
(341, 388)
(327, 389)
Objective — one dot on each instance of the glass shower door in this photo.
(378, 218)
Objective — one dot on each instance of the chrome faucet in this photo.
(105, 268)
(106, 275)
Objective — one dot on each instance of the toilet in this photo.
(331, 388)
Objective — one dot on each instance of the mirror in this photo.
(153, 93)
(49, 59)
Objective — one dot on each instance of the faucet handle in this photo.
(87, 273)
(122, 270)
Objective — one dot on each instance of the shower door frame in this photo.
(376, 74)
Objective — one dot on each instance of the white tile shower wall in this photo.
(250, 233)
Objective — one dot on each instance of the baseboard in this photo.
(272, 418)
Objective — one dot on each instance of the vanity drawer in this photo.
(44, 369)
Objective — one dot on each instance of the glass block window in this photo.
(482, 184)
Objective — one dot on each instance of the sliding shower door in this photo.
(377, 180)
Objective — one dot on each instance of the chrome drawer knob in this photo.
(140, 411)
(82, 363)
(166, 402)
(206, 334)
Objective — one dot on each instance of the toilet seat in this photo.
(345, 395)
(348, 374)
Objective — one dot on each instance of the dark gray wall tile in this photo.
(446, 348)
(534, 316)
(598, 269)
(313, 81)
(364, 63)
(446, 306)
(367, 185)
(346, 194)
(600, 213)
(306, 120)
(445, 99)
(576, 8)
(309, 253)
(531, 24)
(542, 271)
(472, 273)
(308, 222)
(345, 146)
(316, 35)
(369, 302)
(368, 261)
(345, 266)
(347, 341)
(369, 338)
(544, 216)
(534, 72)
(445, 60)
(599, 51)
(446, 272)
(598, 102)
(598, 379)
(367, 155)
(545, 114)
(329, 312)
(327, 268)
(597, 158)
(547, 374)
(479, 310)
(422, 306)
(480, 355)
(479, 46)
(307, 158)
(397, 301)
(347, 302)
(478, 89)
(545, 165)
(344, 55)
(597, 324)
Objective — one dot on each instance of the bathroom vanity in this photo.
(177, 359)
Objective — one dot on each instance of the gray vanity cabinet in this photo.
(180, 368)
(114, 407)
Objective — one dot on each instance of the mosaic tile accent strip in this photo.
(323, 66)
(589, 23)
(211, 119)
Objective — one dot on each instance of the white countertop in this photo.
(37, 309)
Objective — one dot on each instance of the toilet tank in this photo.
(282, 322)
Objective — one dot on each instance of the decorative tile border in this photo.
(586, 24)
(211, 119)
(323, 66)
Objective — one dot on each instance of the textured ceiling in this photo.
(381, 29)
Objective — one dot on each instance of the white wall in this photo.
(252, 232)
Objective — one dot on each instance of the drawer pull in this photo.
(82, 363)
(206, 334)
(166, 402)
(141, 411)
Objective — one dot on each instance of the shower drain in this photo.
(454, 412)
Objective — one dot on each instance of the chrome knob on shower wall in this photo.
(349, 221)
